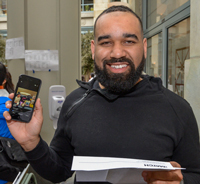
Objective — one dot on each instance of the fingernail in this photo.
(8, 117)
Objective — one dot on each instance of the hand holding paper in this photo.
(121, 170)
(174, 176)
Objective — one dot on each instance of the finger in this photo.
(11, 96)
(38, 105)
(161, 182)
(150, 176)
(175, 164)
(7, 116)
(38, 108)
(8, 104)
(165, 175)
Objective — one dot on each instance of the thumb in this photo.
(175, 164)
(38, 109)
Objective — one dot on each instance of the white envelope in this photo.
(114, 170)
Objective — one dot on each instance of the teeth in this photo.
(118, 66)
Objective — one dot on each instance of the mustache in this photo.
(117, 60)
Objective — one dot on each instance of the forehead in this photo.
(113, 21)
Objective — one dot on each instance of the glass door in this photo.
(167, 33)
(178, 52)
(154, 63)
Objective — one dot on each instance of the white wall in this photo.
(47, 24)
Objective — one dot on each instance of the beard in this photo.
(119, 83)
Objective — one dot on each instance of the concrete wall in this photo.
(47, 24)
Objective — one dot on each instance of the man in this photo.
(134, 116)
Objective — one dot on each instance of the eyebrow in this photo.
(128, 35)
(125, 35)
(103, 37)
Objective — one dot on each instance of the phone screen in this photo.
(26, 93)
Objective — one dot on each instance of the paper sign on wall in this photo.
(15, 48)
(41, 60)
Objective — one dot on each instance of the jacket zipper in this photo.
(76, 103)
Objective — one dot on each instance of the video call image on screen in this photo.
(23, 103)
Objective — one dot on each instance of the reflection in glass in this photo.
(158, 9)
(178, 52)
(154, 56)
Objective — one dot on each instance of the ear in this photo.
(145, 47)
(92, 48)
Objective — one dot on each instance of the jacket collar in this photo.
(150, 81)
(94, 85)
(86, 85)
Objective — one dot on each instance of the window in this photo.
(159, 9)
(124, 1)
(3, 33)
(86, 29)
(3, 8)
(167, 40)
(154, 56)
(178, 52)
(87, 5)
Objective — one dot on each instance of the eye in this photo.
(129, 42)
(105, 43)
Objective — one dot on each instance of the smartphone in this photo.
(26, 94)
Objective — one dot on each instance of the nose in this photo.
(117, 51)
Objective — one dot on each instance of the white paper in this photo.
(41, 60)
(115, 170)
(15, 48)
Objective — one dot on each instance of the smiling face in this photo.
(118, 47)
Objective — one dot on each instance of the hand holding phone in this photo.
(26, 134)
(25, 96)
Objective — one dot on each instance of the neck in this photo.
(1, 87)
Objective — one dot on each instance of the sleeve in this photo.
(187, 153)
(53, 162)
(3, 107)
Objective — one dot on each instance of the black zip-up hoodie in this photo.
(149, 122)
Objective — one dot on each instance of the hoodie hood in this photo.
(149, 85)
